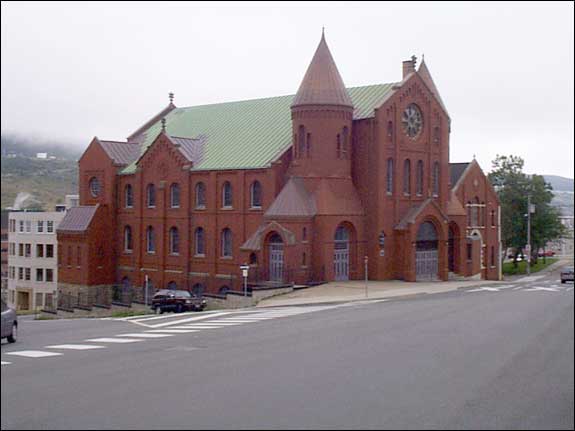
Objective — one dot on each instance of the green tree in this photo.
(513, 186)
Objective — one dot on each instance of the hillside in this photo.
(563, 193)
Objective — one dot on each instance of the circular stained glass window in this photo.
(94, 186)
(412, 120)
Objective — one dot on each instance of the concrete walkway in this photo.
(348, 291)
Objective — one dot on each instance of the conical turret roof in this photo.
(322, 83)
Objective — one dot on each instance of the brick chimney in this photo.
(409, 66)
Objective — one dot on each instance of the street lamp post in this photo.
(528, 234)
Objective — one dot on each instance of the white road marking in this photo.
(5, 363)
(487, 289)
(570, 289)
(519, 287)
(545, 289)
(196, 327)
(170, 331)
(191, 319)
(531, 278)
(113, 340)
(34, 354)
(217, 322)
(143, 335)
(76, 347)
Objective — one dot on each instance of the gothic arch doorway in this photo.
(341, 253)
(426, 252)
(275, 257)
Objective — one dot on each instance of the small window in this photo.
(39, 250)
(28, 226)
(304, 234)
(492, 218)
(390, 130)
(436, 179)
(39, 274)
(79, 256)
(150, 240)
(20, 273)
(253, 259)
(129, 196)
(338, 146)
(200, 195)
(50, 226)
(21, 226)
(437, 135)
(469, 252)
(227, 195)
(127, 239)
(151, 196)
(407, 177)
(256, 195)
(49, 275)
(28, 250)
(308, 145)
(226, 243)
(174, 241)
(49, 250)
(27, 272)
(40, 226)
(200, 242)
(419, 178)
(175, 195)
(304, 259)
(21, 249)
(94, 185)
(389, 188)
(345, 143)
(492, 256)
(301, 142)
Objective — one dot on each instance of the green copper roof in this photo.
(247, 134)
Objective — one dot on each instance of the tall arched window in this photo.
(338, 146)
(127, 238)
(482, 214)
(475, 212)
(151, 196)
(308, 145)
(407, 177)
(436, 179)
(419, 178)
(301, 141)
(389, 130)
(227, 195)
(174, 241)
(295, 154)
(437, 135)
(129, 196)
(493, 218)
(150, 240)
(389, 187)
(256, 195)
(345, 143)
(94, 185)
(226, 243)
(175, 195)
(200, 242)
(200, 195)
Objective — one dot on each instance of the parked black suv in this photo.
(176, 300)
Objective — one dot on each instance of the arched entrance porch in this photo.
(426, 252)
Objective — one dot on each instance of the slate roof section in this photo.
(322, 83)
(122, 153)
(192, 149)
(411, 216)
(455, 172)
(254, 242)
(293, 201)
(77, 219)
(248, 134)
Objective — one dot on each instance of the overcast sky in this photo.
(505, 70)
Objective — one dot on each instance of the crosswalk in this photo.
(169, 325)
(533, 284)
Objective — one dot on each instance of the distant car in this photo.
(9, 323)
(177, 300)
(548, 253)
(567, 274)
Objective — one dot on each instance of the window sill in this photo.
(174, 254)
(175, 208)
(128, 208)
(128, 251)
(255, 208)
(199, 256)
(200, 208)
(226, 208)
(226, 257)
(150, 252)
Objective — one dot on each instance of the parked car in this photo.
(567, 274)
(548, 253)
(177, 300)
(9, 323)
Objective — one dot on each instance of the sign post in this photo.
(146, 291)
(245, 269)
(365, 261)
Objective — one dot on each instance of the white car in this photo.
(9, 323)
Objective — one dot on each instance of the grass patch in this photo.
(41, 317)
(130, 313)
(508, 268)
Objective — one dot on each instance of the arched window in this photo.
(469, 213)
(295, 154)
(226, 243)
(200, 195)
(253, 259)
(151, 196)
(227, 195)
(308, 145)
(256, 195)
(390, 130)
(172, 285)
(436, 179)
(475, 212)
(419, 178)
(301, 141)
(94, 185)
(127, 238)
(200, 242)
(436, 134)
(129, 196)
(493, 218)
(338, 147)
(345, 143)
(175, 195)
(389, 176)
(304, 234)
(482, 214)
(304, 259)
(492, 256)
(150, 240)
(406, 177)
(198, 289)
(174, 240)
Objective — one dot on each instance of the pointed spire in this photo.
(322, 83)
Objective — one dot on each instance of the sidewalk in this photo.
(355, 291)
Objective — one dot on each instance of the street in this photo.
(497, 357)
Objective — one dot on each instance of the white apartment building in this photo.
(32, 258)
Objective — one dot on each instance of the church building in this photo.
(303, 188)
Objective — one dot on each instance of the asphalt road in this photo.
(489, 358)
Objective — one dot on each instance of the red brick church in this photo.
(302, 188)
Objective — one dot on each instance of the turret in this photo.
(322, 114)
